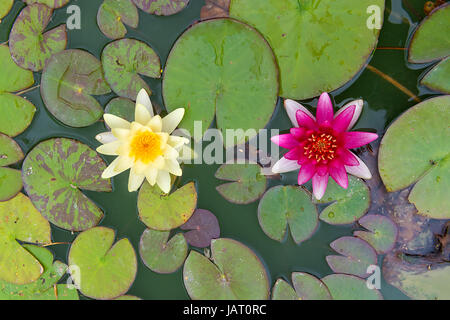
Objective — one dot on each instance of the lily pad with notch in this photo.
(348, 287)
(113, 15)
(306, 287)
(161, 7)
(203, 227)
(382, 232)
(10, 179)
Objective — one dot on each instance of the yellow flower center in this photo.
(145, 146)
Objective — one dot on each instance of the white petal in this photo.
(177, 142)
(120, 133)
(158, 163)
(360, 171)
(111, 171)
(163, 181)
(124, 163)
(141, 114)
(135, 181)
(291, 107)
(115, 122)
(173, 167)
(105, 137)
(170, 153)
(155, 124)
(172, 120)
(151, 175)
(110, 149)
(144, 99)
(284, 165)
(359, 106)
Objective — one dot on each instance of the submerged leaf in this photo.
(113, 15)
(161, 7)
(203, 226)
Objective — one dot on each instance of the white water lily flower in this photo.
(145, 145)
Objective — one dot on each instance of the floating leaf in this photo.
(5, 7)
(113, 15)
(160, 254)
(124, 60)
(49, 3)
(161, 7)
(203, 226)
(215, 9)
(283, 291)
(234, 273)
(382, 232)
(234, 69)
(347, 287)
(248, 183)
(416, 149)
(307, 287)
(68, 82)
(104, 270)
(287, 205)
(30, 46)
(20, 221)
(164, 212)
(128, 297)
(65, 167)
(347, 205)
(356, 256)
(320, 45)
(122, 107)
(438, 78)
(10, 179)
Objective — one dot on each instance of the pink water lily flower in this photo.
(320, 146)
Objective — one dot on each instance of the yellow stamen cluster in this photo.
(145, 146)
(321, 147)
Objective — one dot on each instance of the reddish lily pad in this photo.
(124, 60)
(161, 7)
(382, 232)
(287, 205)
(307, 287)
(215, 9)
(30, 46)
(203, 226)
(113, 15)
(160, 254)
(233, 273)
(65, 167)
(347, 287)
(10, 179)
(68, 82)
(248, 183)
(356, 256)
(122, 107)
(5, 7)
(49, 3)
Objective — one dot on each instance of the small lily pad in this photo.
(30, 46)
(438, 78)
(10, 179)
(20, 221)
(283, 291)
(287, 205)
(307, 287)
(124, 60)
(161, 7)
(203, 226)
(5, 7)
(160, 254)
(248, 183)
(382, 232)
(122, 107)
(68, 82)
(356, 256)
(347, 287)
(65, 167)
(347, 205)
(416, 150)
(113, 15)
(164, 212)
(233, 273)
(55, 4)
(105, 271)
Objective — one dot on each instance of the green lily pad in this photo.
(20, 221)
(356, 256)
(416, 150)
(106, 271)
(164, 212)
(283, 291)
(347, 205)
(248, 183)
(68, 82)
(307, 287)
(10, 179)
(5, 7)
(65, 167)
(49, 3)
(113, 15)
(382, 232)
(124, 60)
(161, 7)
(438, 78)
(319, 45)
(347, 287)
(236, 78)
(287, 205)
(122, 107)
(127, 297)
(30, 46)
(160, 254)
(234, 273)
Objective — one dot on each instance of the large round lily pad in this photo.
(287, 205)
(203, 226)
(55, 172)
(161, 7)
(49, 3)
(382, 232)
(224, 69)
(20, 221)
(5, 7)
(103, 270)
(164, 212)
(416, 150)
(247, 186)
(160, 254)
(113, 15)
(68, 82)
(234, 273)
(124, 60)
(30, 46)
(320, 45)
(347, 287)
(10, 179)
(306, 287)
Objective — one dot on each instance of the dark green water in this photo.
(385, 103)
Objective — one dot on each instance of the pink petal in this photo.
(284, 165)
(360, 171)
(298, 133)
(307, 171)
(338, 173)
(348, 158)
(285, 141)
(356, 139)
(324, 109)
(305, 121)
(342, 121)
(359, 106)
(291, 107)
(319, 184)
(294, 154)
